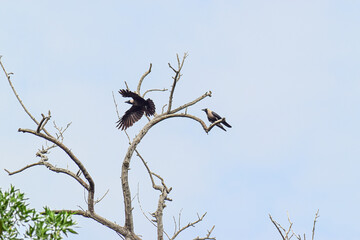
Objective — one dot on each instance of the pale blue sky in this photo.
(285, 74)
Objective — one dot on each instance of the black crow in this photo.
(213, 116)
(139, 106)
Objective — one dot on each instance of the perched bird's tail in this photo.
(220, 126)
(149, 108)
(226, 124)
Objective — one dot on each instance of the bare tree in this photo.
(287, 234)
(83, 177)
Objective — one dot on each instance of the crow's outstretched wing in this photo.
(128, 93)
(130, 117)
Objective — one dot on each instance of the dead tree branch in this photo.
(158, 214)
(189, 225)
(119, 229)
(154, 90)
(18, 97)
(24, 168)
(99, 200)
(54, 169)
(313, 230)
(278, 226)
(74, 159)
(138, 199)
(207, 236)
(142, 79)
(207, 94)
(176, 78)
(285, 234)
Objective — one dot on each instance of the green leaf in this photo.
(16, 217)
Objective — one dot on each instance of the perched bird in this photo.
(213, 116)
(139, 106)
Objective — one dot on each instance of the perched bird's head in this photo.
(130, 101)
(205, 109)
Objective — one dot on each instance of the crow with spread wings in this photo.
(137, 110)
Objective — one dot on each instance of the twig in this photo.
(127, 87)
(162, 110)
(175, 226)
(116, 106)
(152, 222)
(142, 79)
(157, 187)
(162, 183)
(86, 201)
(276, 225)
(24, 168)
(288, 231)
(180, 218)
(98, 200)
(61, 131)
(313, 230)
(138, 198)
(207, 236)
(188, 225)
(154, 90)
(54, 169)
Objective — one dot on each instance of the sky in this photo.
(285, 74)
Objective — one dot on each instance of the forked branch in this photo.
(133, 144)
(285, 233)
(18, 97)
(53, 169)
(186, 105)
(176, 78)
(207, 237)
(73, 158)
(191, 224)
